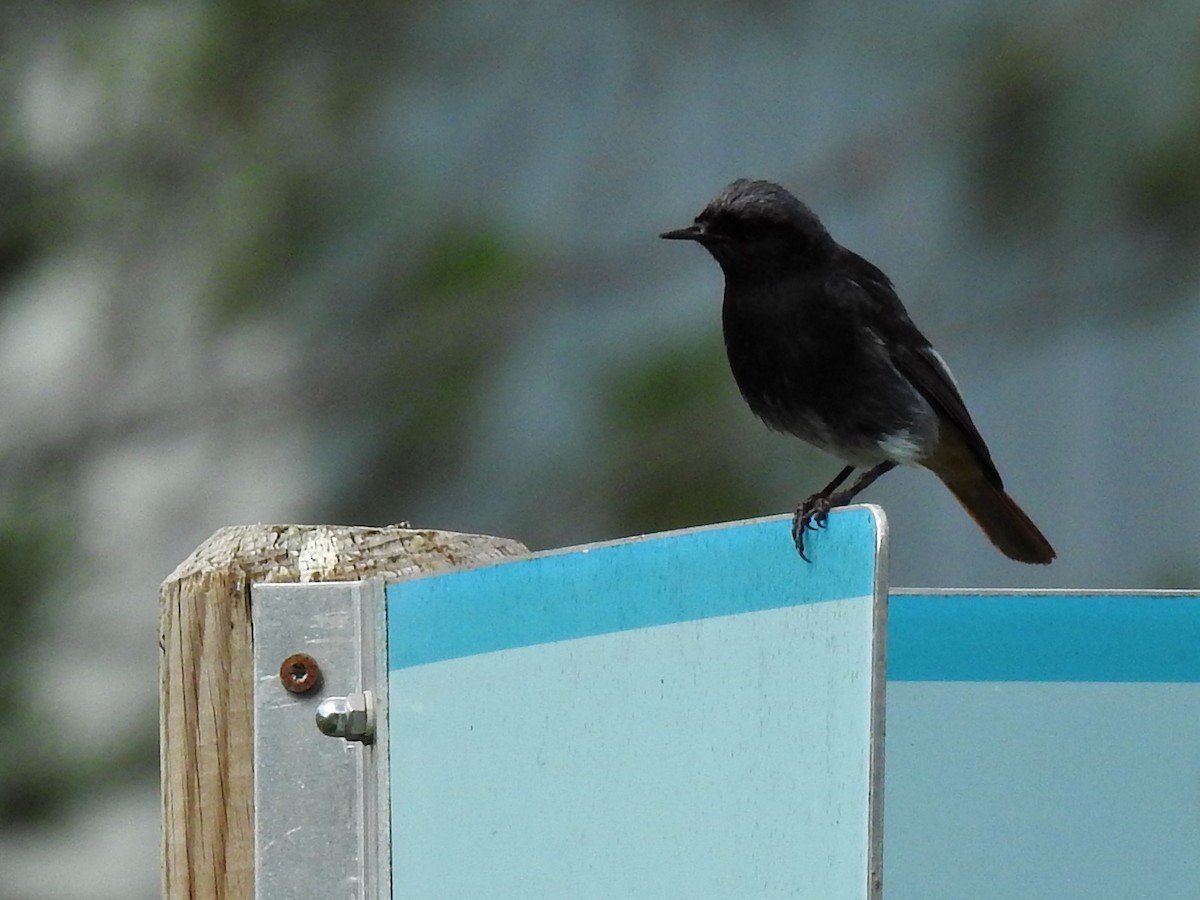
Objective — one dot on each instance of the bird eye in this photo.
(742, 229)
(719, 224)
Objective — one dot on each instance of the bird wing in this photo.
(915, 359)
(927, 372)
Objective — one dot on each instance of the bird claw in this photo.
(813, 513)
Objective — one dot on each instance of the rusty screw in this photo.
(299, 673)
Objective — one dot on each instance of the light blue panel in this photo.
(1044, 746)
(727, 757)
(684, 716)
(1042, 791)
(1046, 636)
(637, 583)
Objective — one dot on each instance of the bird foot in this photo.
(811, 514)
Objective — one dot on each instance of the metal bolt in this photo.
(351, 717)
(299, 673)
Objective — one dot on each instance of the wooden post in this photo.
(206, 704)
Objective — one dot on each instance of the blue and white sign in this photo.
(692, 715)
(700, 715)
(1043, 746)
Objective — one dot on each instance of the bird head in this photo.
(757, 228)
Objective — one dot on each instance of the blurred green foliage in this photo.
(36, 540)
(1021, 86)
(436, 326)
(1165, 176)
(675, 460)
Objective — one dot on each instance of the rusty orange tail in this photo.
(1006, 524)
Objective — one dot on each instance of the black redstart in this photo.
(822, 348)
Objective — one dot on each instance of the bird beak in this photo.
(694, 232)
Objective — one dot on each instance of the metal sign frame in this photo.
(321, 819)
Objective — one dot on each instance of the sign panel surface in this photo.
(1043, 746)
(691, 715)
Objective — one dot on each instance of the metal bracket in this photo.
(321, 807)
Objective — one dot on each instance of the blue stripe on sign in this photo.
(675, 577)
(1044, 637)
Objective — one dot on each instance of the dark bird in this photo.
(822, 348)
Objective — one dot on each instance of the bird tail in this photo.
(1005, 523)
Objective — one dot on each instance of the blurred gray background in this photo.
(374, 262)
